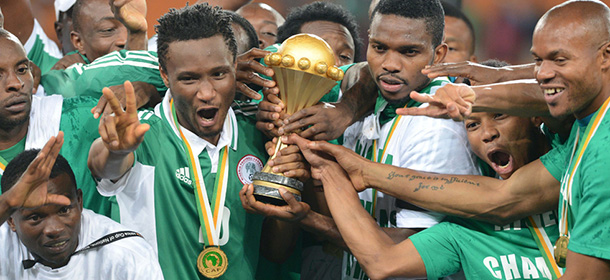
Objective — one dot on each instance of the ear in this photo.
(473, 58)
(164, 76)
(439, 53)
(605, 56)
(79, 198)
(537, 121)
(11, 224)
(77, 42)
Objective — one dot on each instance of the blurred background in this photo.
(503, 28)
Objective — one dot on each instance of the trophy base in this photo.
(266, 188)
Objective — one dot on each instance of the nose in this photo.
(206, 91)
(14, 82)
(121, 40)
(53, 227)
(544, 72)
(391, 62)
(490, 133)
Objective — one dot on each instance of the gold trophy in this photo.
(304, 72)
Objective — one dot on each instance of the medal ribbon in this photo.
(568, 180)
(3, 165)
(544, 245)
(381, 156)
(210, 221)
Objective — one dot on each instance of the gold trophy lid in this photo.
(308, 53)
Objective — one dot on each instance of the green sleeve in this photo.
(438, 249)
(555, 160)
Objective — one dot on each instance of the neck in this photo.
(595, 104)
(11, 136)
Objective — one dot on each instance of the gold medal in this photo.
(212, 262)
(561, 250)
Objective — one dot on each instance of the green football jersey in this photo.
(41, 50)
(587, 213)
(157, 196)
(485, 251)
(112, 69)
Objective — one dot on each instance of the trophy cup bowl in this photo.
(304, 72)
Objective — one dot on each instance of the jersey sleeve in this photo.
(438, 250)
(555, 160)
(41, 50)
(590, 230)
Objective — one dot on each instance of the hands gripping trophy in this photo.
(304, 73)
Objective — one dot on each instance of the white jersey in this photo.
(128, 258)
(418, 143)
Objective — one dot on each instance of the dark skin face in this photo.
(16, 84)
(504, 142)
(460, 44)
(337, 36)
(50, 232)
(571, 71)
(63, 29)
(202, 84)
(399, 48)
(264, 21)
(100, 32)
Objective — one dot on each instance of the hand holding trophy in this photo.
(304, 72)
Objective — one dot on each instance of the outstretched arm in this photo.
(530, 190)
(479, 74)
(31, 189)
(111, 155)
(379, 255)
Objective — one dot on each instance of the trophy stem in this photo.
(267, 183)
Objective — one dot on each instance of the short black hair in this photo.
(453, 11)
(194, 22)
(315, 11)
(20, 163)
(430, 11)
(76, 11)
(247, 26)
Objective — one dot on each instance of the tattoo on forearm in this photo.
(430, 184)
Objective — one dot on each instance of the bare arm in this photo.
(530, 190)
(18, 18)
(457, 101)
(479, 74)
(111, 155)
(582, 267)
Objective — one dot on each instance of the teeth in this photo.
(58, 244)
(551, 91)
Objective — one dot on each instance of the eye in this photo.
(538, 60)
(269, 34)
(451, 49)
(65, 210)
(345, 57)
(219, 74)
(378, 48)
(500, 116)
(560, 60)
(471, 126)
(410, 52)
(33, 218)
(22, 69)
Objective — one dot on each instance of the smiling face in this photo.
(459, 40)
(398, 50)
(99, 32)
(504, 142)
(16, 82)
(571, 71)
(201, 76)
(337, 36)
(50, 232)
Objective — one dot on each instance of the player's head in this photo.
(63, 23)
(16, 82)
(96, 31)
(506, 143)
(245, 35)
(571, 47)
(459, 35)
(405, 36)
(330, 22)
(197, 49)
(50, 232)
(265, 21)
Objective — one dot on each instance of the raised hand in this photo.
(450, 101)
(31, 188)
(121, 131)
(246, 73)
(131, 13)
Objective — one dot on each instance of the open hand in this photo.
(247, 69)
(131, 13)
(450, 101)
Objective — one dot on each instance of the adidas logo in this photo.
(184, 175)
